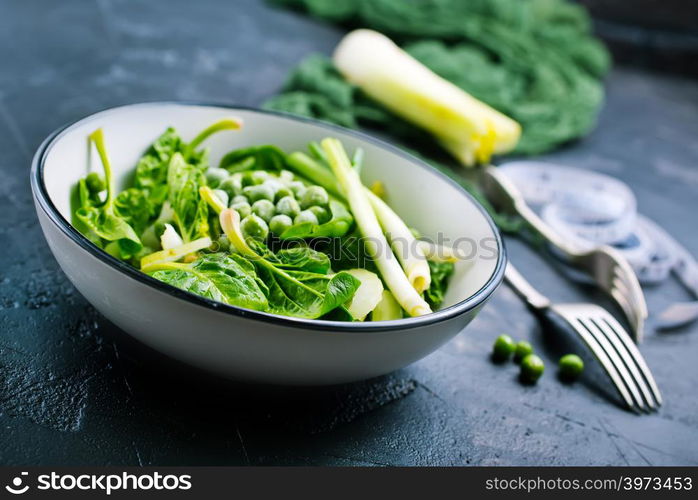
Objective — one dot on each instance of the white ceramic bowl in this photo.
(246, 344)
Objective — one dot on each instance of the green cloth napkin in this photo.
(534, 60)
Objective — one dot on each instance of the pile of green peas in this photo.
(268, 202)
(570, 366)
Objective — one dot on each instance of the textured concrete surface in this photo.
(75, 390)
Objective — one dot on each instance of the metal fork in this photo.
(606, 266)
(604, 336)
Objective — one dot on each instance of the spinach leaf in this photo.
(190, 209)
(135, 208)
(440, 274)
(151, 170)
(303, 258)
(82, 197)
(217, 277)
(102, 219)
(304, 294)
(345, 253)
(265, 157)
(292, 292)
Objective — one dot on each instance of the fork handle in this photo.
(534, 299)
(506, 196)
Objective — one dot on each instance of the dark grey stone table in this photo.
(75, 390)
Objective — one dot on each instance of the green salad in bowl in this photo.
(290, 233)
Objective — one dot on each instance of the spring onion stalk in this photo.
(210, 197)
(437, 253)
(403, 243)
(315, 171)
(410, 255)
(97, 137)
(378, 189)
(357, 160)
(225, 124)
(387, 309)
(230, 223)
(376, 244)
(170, 238)
(468, 128)
(367, 296)
(173, 254)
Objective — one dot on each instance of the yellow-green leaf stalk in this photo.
(376, 243)
(468, 128)
(210, 197)
(403, 243)
(437, 253)
(173, 254)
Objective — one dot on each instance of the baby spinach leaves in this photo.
(218, 277)
(303, 258)
(190, 210)
(292, 292)
(265, 157)
(102, 219)
(304, 294)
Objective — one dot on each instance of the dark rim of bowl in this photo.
(472, 302)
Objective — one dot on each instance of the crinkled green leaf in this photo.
(221, 278)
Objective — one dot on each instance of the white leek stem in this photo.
(403, 243)
(467, 127)
(173, 254)
(437, 253)
(376, 244)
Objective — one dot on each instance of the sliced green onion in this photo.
(403, 243)
(376, 243)
(173, 254)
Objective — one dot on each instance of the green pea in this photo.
(532, 367)
(305, 216)
(232, 185)
(571, 366)
(259, 176)
(297, 188)
(241, 198)
(278, 188)
(254, 227)
(282, 192)
(243, 208)
(260, 192)
(286, 176)
(503, 348)
(264, 209)
(522, 350)
(222, 196)
(280, 223)
(288, 206)
(95, 182)
(322, 214)
(314, 196)
(246, 179)
(214, 176)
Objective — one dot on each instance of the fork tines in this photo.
(615, 350)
